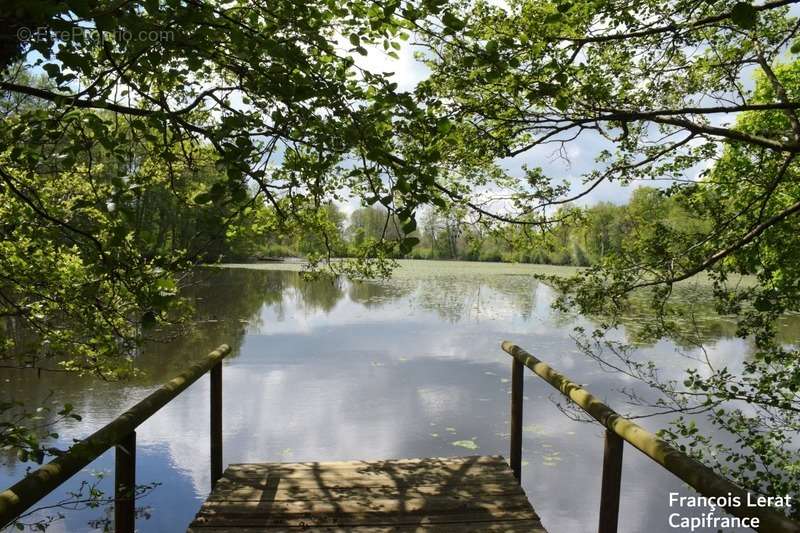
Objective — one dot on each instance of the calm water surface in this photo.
(410, 367)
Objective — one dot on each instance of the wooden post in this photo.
(125, 484)
(24, 494)
(516, 419)
(612, 478)
(216, 423)
(692, 472)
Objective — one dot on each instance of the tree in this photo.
(157, 136)
(214, 109)
(661, 89)
(373, 224)
(325, 236)
(157, 129)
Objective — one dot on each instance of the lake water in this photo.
(409, 367)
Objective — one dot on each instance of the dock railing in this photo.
(618, 431)
(121, 434)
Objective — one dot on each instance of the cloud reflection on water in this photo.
(334, 370)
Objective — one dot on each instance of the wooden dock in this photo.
(458, 494)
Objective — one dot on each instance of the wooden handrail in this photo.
(697, 475)
(25, 493)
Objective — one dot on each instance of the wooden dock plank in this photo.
(457, 494)
(241, 491)
(400, 464)
(436, 469)
(515, 526)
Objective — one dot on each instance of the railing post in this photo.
(216, 423)
(516, 419)
(125, 484)
(612, 479)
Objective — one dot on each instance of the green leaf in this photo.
(554, 17)
(202, 198)
(452, 22)
(744, 15)
(52, 70)
(166, 284)
(239, 194)
(355, 40)
(217, 191)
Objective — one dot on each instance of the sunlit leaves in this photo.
(531, 77)
(452, 22)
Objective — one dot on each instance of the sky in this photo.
(580, 154)
(408, 72)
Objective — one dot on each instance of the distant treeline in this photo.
(584, 237)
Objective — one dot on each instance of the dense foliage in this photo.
(585, 236)
(138, 139)
(662, 91)
(153, 140)
(141, 138)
